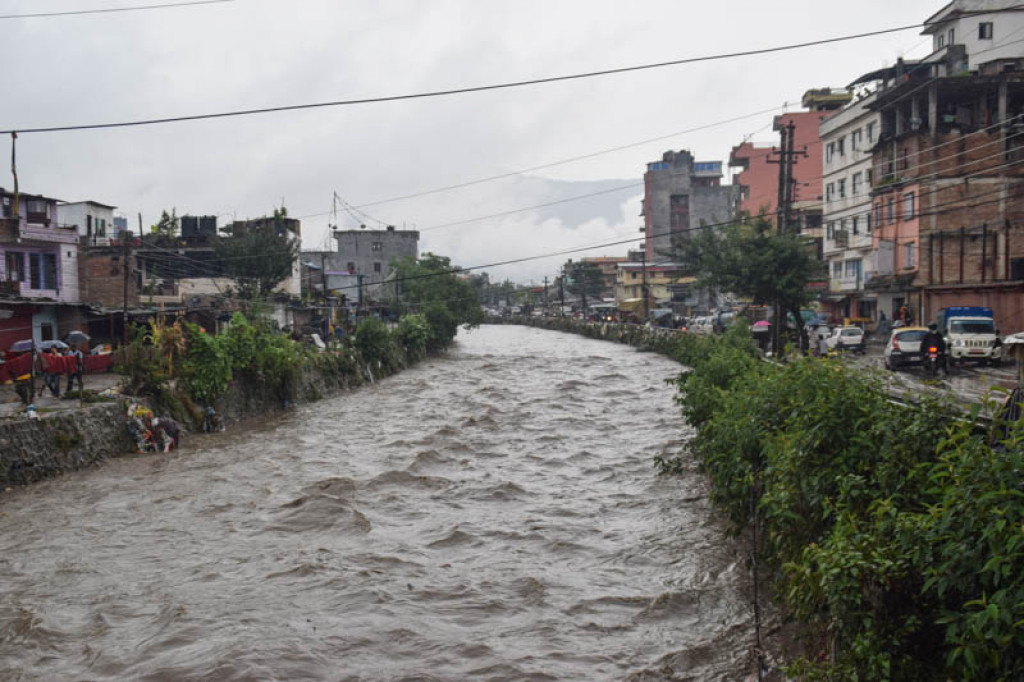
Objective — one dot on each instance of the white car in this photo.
(846, 338)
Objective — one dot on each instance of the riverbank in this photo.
(69, 436)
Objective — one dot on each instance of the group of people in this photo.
(152, 434)
(53, 365)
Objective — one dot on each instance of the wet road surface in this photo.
(490, 515)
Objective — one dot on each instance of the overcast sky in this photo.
(249, 54)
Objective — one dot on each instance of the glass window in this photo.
(890, 210)
(871, 132)
(854, 226)
(377, 246)
(830, 149)
(985, 30)
(837, 269)
(841, 146)
(842, 188)
(351, 267)
(15, 266)
(855, 139)
(855, 184)
(376, 268)
(908, 206)
(829, 191)
(908, 252)
(830, 230)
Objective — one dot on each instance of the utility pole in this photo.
(643, 284)
(784, 211)
(545, 293)
(126, 265)
(561, 293)
(583, 276)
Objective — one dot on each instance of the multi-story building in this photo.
(948, 202)
(668, 286)
(757, 180)
(608, 266)
(368, 255)
(38, 270)
(679, 196)
(847, 137)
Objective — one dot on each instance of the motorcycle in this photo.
(933, 360)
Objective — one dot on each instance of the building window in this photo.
(908, 255)
(841, 146)
(878, 214)
(830, 189)
(837, 269)
(867, 222)
(830, 149)
(852, 269)
(377, 246)
(890, 210)
(854, 228)
(842, 188)
(940, 42)
(15, 266)
(376, 268)
(830, 230)
(951, 37)
(855, 140)
(871, 132)
(43, 271)
(985, 30)
(855, 185)
(351, 267)
(632, 275)
(908, 206)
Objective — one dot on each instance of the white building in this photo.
(993, 34)
(847, 137)
(95, 221)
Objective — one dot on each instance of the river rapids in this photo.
(493, 514)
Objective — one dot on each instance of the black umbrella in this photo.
(76, 338)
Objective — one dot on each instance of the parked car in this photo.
(846, 338)
(903, 347)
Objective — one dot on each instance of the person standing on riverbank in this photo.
(76, 369)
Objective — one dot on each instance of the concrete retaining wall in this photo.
(35, 449)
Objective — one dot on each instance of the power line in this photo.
(466, 90)
(112, 9)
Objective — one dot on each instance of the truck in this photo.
(970, 334)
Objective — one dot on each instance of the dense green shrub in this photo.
(413, 333)
(206, 368)
(373, 341)
(895, 530)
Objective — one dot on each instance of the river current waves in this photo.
(493, 514)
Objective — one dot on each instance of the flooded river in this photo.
(490, 515)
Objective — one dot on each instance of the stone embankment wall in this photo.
(36, 449)
(645, 338)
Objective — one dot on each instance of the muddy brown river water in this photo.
(490, 515)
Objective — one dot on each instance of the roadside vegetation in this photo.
(182, 370)
(893, 534)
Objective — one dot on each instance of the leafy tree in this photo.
(258, 254)
(168, 225)
(749, 260)
(434, 288)
(584, 279)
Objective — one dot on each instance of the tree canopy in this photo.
(749, 260)
(258, 254)
(433, 287)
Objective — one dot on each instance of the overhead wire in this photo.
(463, 90)
(109, 10)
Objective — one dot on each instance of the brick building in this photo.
(948, 203)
